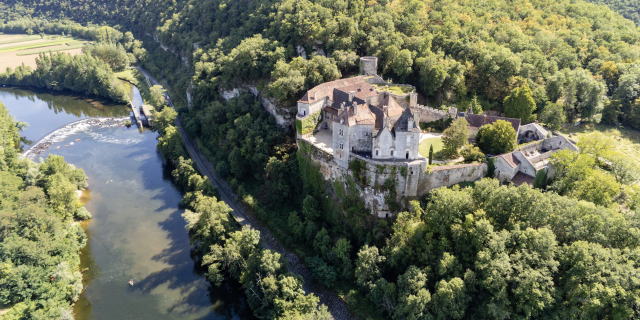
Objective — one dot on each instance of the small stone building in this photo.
(522, 165)
(532, 132)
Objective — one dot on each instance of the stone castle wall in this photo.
(428, 114)
(446, 176)
(412, 179)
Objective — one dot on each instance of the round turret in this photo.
(368, 66)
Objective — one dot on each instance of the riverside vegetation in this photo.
(39, 245)
(487, 251)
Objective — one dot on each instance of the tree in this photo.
(497, 138)
(476, 107)
(553, 116)
(367, 270)
(596, 144)
(456, 136)
(540, 182)
(450, 300)
(430, 154)
(623, 170)
(170, 144)
(321, 271)
(164, 119)
(310, 208)
(520, 104)
(413, 296)
(157, 96)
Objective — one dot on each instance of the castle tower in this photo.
(368, 66)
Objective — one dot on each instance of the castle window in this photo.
(341, 132)
(392, 153)
(376, 152)
(341, 146)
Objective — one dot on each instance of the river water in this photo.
(137, 231)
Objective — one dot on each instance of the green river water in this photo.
(137, 231)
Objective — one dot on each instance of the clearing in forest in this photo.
(16, 49)
(627, 140)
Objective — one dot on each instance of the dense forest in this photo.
(571, 53)
(568, 250)
(39, 247)
(627, 8)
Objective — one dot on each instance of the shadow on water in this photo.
(137, 230)
(227, 300)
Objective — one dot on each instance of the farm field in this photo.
(16, 49)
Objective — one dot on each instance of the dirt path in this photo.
(336, 306)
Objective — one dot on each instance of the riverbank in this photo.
(59, 134)
(337, 307)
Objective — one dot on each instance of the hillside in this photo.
(489, 251)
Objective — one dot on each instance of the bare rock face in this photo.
(282, 114)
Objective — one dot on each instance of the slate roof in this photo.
(362, 91)
(478, 120)
(362, 116)
(327, 89)
(394, 111)
(403, 122)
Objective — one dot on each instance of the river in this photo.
(137, 231)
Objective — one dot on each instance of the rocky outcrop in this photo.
(282, 115)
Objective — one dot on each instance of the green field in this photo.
(22, 39)
(627, 140)
(426, 143)
(51, 43)
(68, 47)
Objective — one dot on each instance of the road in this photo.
(337, 307)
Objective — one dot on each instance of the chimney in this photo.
(342, 105)
(315, 95)
(386, 122)
(385, 109)
(355, 109)
(410, 124)
(352, 94)
(360, 89)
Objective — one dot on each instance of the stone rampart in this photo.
(428, 114)
(446, 176)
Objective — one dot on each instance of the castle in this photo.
(348, 120)
(362, 120)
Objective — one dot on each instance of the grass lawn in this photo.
(628, 143)
(437, 146)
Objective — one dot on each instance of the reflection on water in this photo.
(48, 111)
(137, 232)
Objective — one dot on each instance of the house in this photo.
(521, 165)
